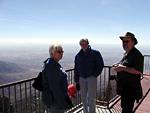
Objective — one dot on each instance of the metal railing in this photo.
(146, 70)
(21, 97)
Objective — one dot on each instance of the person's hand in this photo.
(119, 67)
(114, 66)
(78, 86)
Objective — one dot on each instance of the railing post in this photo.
(3, 101)
(15, 99)
(109, 87)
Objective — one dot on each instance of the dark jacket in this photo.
(54, 85)
(88, 64)
(134, 59)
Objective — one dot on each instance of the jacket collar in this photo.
(52, 61)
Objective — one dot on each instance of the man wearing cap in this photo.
(129, 71)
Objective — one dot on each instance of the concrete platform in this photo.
(142, 107)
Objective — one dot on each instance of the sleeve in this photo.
(54, 85)
(99, 64)
(65, 81)
(139, 62)
(76, 73)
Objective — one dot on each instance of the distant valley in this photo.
(8, 67)
(25, 62)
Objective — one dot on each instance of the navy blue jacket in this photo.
(88, 64)
(55, 85)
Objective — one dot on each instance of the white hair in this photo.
(53, 48)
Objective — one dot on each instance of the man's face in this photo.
(84, 45)
(127, 43)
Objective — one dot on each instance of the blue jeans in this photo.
(88, 88)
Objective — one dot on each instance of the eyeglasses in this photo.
(83, 44)
(60, 51)
(125, 41)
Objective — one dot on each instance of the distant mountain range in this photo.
(26, 61)
(8, 67)
(10, 72)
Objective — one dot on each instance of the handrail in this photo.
(146, 55)
(24, 80)
(30, 79)
(22, 93)
(17, 82)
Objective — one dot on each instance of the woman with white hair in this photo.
(54, 79)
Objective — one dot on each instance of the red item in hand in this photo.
(72, 90)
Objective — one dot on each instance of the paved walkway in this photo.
(145, 105)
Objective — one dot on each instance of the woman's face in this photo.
(58, 54)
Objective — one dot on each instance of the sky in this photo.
(67, 21)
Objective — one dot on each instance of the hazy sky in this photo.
(102, 21)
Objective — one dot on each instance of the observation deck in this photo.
(21, 97)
